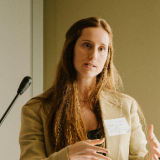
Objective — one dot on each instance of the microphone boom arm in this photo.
(22, 88)
(9, 108)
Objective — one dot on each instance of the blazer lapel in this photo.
(111, 108)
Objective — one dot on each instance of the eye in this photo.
(102, 49)
(88, 45)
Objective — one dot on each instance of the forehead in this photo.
(95, 34)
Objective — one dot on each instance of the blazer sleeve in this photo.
(31, 139)
(137, 148)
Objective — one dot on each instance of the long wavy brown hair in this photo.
(61, 103)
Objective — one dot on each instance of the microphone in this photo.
(22, 88)
(24, 85)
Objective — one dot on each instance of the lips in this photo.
(90, 64)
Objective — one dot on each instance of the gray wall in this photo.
(135, 26)
(21, 54)
(15, 63)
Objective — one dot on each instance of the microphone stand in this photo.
(22, 88)
(9, 108)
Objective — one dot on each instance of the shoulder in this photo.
(33, 107)
(117, 98)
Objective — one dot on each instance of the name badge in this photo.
(117, 126)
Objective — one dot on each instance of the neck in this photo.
(86, 86)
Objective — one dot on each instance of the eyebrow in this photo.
(91, 41)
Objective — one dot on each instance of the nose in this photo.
(93, 54)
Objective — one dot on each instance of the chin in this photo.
(87, 75)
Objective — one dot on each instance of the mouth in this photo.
(90, 65)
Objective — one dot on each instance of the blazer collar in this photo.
(111, 108)
(110, 96)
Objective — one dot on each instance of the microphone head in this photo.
(24, 85)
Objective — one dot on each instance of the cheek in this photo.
(76, 58)
(102, 61)
(79, 56)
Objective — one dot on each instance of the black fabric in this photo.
(96, 134)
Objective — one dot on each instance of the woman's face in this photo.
(90, 52)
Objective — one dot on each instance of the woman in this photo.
(60, 123)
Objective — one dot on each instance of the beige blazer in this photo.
(35, 144)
